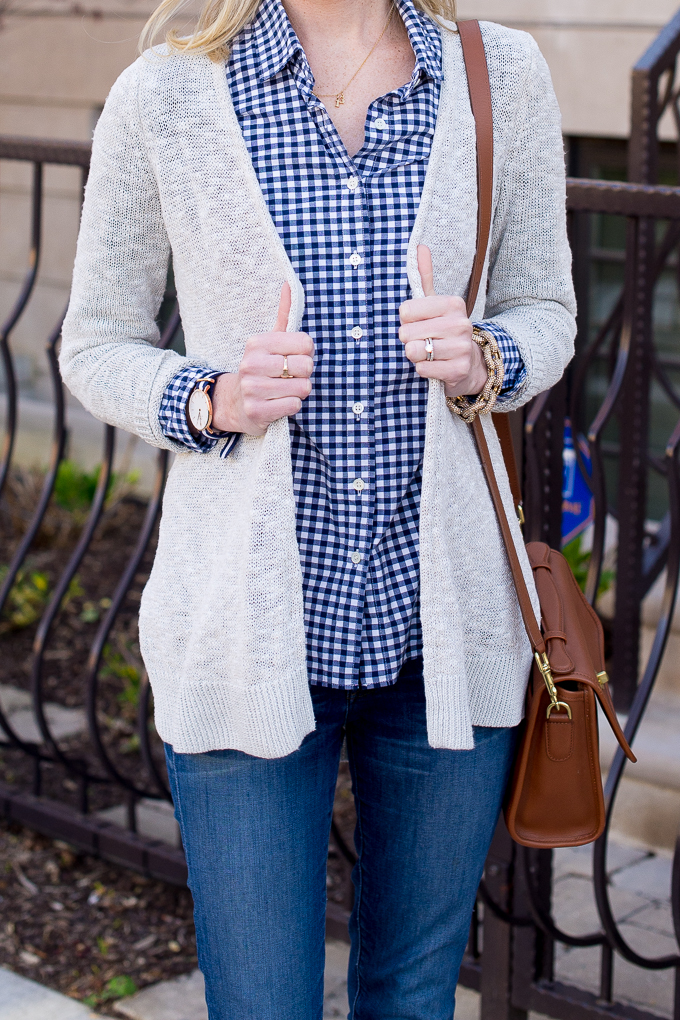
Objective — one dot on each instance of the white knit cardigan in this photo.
(221, 622)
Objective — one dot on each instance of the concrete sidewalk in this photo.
(21, 999)
(182, 999)
(640, 887)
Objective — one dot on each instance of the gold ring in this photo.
(286, 374)
(429, 349)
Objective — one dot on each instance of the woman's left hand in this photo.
(458, 361)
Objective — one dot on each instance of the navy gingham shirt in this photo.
(357, 443)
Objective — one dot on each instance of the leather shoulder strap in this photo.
(480, 100)
(479, 87)
(528, 615)
(477, 72)
(502, 425)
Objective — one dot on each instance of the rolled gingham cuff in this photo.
(514, 372)
(172, 415)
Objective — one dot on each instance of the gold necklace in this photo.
(339, 97)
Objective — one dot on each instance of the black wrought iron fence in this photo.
(59, 784)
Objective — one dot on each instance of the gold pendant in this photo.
(340, 99)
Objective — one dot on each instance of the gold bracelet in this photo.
(493, 360)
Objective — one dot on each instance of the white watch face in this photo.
(199, 410)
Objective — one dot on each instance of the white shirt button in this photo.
(357, 332)
(352, 183)
(380, 124)
(356, 557)
(359, 484)
(357, 408)
(355, 259)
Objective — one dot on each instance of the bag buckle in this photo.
(543, 664)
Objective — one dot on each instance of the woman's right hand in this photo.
(252, 398)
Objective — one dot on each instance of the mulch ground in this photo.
(76, 924)
(95, 931)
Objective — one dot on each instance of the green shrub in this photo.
(74, 488)
(27, 598)
(117, 988)
(579, 561)
(115, 665)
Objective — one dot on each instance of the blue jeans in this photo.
(255, 832)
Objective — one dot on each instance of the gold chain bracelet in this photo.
(493, 360)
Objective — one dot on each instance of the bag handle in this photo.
(479, 86)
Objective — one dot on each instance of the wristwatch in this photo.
(199, 409)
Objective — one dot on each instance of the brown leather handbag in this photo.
(555, 793)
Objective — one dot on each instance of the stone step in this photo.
(85, 440)
(183, 998)
(17, 705)
(155, 820)
(23, 999)
(647, 808)
(639, 893)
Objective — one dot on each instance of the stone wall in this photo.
(590, 46)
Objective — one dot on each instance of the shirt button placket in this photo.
(357, 463)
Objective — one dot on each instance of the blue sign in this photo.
(577, 500)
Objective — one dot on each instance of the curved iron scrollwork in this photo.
(82, 767)
(19, 306)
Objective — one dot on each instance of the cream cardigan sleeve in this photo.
(530, 290)
(108, 358)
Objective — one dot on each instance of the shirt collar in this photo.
(425, 38)
(274, 42)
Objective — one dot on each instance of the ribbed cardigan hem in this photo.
(500, 703)
(266, 720)
(448, 714)
(454, 708)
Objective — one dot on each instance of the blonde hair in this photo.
(220, 22)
